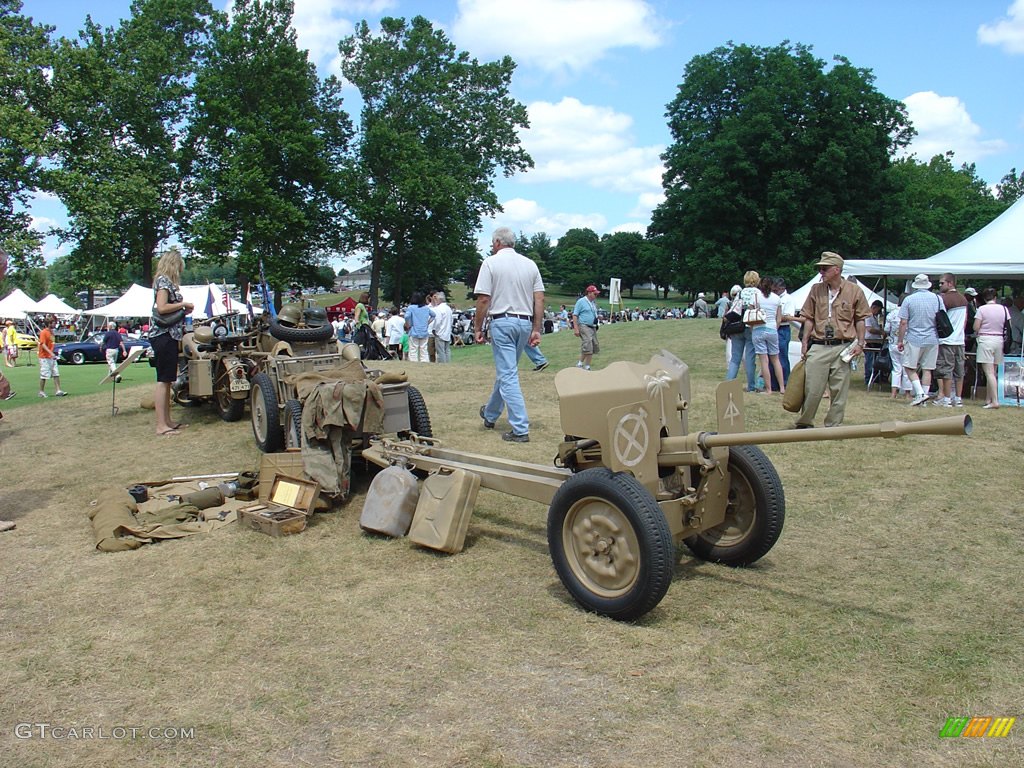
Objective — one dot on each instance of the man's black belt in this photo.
(512, 314)
(831, 342)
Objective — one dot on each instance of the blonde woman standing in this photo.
(165, 339)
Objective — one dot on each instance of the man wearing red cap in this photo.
(584, 325)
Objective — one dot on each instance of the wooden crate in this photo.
(286, 510)
(288, 463)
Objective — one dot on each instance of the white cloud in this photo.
(943, 124)
(530, 217)
(646, 203)
(630, 226)
(321, 24)
(1007, 33)
(572, 141)
(554, 35)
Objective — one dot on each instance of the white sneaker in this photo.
(579, 365)
(61, 393)
(943, 402)
(42, 394)
(958, 402)
(921, 399)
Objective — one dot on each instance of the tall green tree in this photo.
(121, 101)
(266, 150)
(621, 258)
(936, 206)
(25, 55)
(775, 157)
(435, 128)
(1010, 188)
(539, 248)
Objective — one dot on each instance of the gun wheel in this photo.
(228, 408)
(292, 424)
(266, 419)
(754, 516)
(610, 543)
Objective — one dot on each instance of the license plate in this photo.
(239, 385)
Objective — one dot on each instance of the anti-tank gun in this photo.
(630, 481)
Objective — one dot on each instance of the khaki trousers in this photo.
(823, 368)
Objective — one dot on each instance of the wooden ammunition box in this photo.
(286, 510)
(288, 463)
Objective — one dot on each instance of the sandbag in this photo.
(793, 399)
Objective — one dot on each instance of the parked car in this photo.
(27, 341)
(91, 350)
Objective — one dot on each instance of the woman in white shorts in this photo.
(988, 325)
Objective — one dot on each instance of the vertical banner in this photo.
(615, 295)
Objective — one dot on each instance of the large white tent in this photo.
(138, 302)
(16, 305)
(51, 304)
(995, 250)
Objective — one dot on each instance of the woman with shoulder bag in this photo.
(991, 323)
(743, 344)
(167, 327)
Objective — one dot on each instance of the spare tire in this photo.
(301, 335)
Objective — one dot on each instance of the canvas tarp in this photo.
(995, 250)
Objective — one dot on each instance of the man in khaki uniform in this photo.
(833, 316)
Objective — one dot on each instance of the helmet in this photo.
(203, 334)
(290, 314)
(315, 316)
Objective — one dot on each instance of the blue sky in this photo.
(596, 76)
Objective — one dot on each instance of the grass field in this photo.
(891, 602)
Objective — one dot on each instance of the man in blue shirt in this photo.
(584, 325)
(917, 341)
(113, 343)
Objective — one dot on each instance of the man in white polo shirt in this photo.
(510, 291)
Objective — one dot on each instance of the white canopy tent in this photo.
(16, 305)
(138, 302)
(51, 304)
(995, 250)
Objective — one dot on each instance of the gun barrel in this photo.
(674, 449)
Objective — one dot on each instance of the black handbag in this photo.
(732, 325)
(1007, 334)
(169, 319)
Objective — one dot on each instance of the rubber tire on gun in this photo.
(610, 543)
(292, 424)
(293, 334)
(755, 514)
(266, 419)
(419, 416)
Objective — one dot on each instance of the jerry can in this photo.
(390, 502)
(444, 508)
